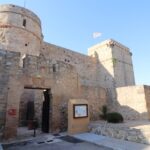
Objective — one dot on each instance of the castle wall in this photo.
(133, 102)
(117, 60)
(37, 97)
(88, 69)
(65, 83)
(103, 53)
(26, 61)
(147, 97)
(64, 80)
(116, 67)
(8, 67)
(9, 84)
(123, 67)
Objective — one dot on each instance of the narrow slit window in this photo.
(54, 68)
(24, 22)
(23, 61)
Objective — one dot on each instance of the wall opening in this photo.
(24, 22)
(54, 68)
(22, 61)
(34, 105)
(45, 111)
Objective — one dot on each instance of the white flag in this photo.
(96, 34)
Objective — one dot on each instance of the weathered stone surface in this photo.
(137, 133)
(16, 35)
(132, 102)
(116, 66)
(29, 65)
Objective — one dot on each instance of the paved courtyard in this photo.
(61, 145)
(84, 141)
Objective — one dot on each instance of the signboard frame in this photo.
(80, 111)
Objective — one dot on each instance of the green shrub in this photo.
(114, 117)
(104, 111)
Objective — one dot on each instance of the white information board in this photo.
(80, 110)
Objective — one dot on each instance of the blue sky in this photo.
(70, 24)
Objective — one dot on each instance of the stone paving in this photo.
(50, 142)
(1, 147)
(113, 143)
(60, 146)
(90, 141)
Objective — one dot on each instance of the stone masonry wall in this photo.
(87, 68)
(132, 102)
(116, 67)
(68, 74)
(123, 67)
(116, 59)
(20, 30)
(9, 78)
(35, 95)
(147, 97)
(65, 82)
(8, 66)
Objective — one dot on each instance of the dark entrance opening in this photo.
(39, 107)
(46, 111)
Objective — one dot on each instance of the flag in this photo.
(96, 34)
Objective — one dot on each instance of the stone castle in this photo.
(32, 70)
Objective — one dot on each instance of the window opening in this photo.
(24, 22)
(54, 68)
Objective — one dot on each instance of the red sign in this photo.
(12, 112)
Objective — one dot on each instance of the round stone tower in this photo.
(20, 30)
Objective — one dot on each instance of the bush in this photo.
(114, 117)
(104, 112)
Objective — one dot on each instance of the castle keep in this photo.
(32, 70)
